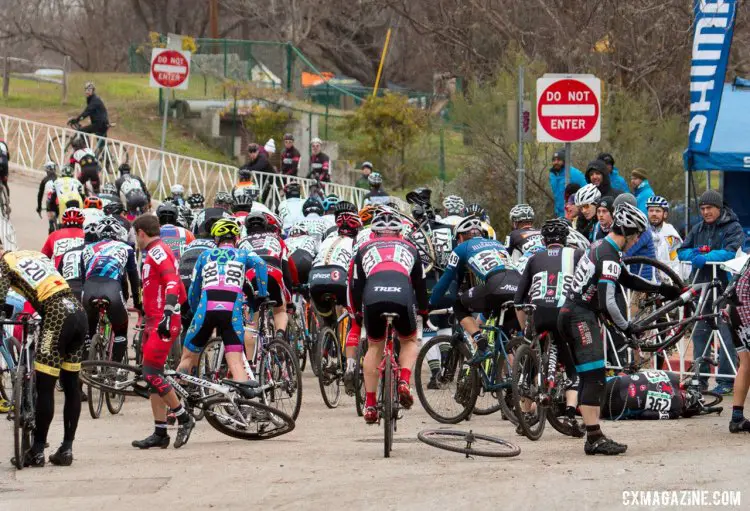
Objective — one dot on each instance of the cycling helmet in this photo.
(114, 208)
(73, 216)
(67, 171)
(225, 228)
(475, 210)
(348, 224)
(576, 240)
(109, 228)
(50, 167)
(606, 158)
(196, 200)
(109, 189)
(78, 142)
(244, 175)
(223, 200)
(89, 87)
(467, 226)
(386, 221)
(167, 213)
(419, 196)
(298, 229)
(292, 191)
(93, 202)
(177, 190)
(243, 200)
(124, 168)
(344, 207)
(418, 212)
(657, 201)
(588, 194)
(256, 222)
(521, 213)
(274, 224)
(453, 204)
(555, 230)
(90, 232)
(252, 190)
(366, 214)
(375, 179)
(629, 220)
(312, 206)
(330, 202)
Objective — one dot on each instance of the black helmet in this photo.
(167, 213)
(114, 208)
(555, 230)
(244, 175)
(78, 142)
(196, 200)
(312, 206)
(124, 168)
(476, 210)
(292, 190)
(344, 207)
(256, 222)
(420, 196)
(606, 158)
(223, 200)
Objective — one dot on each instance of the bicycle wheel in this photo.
(94, 394)
(114, 378)
(4, 202)
(246, 419)
(12, 350)
(115, 401)
(22, 408)
(330, 376)
(445, 384)
(294, 334)
(175, 354)
(711, 398)
(556, 411)
(280, 372)
(526, 391)
(470, 444)
(312, 341)
(359, 382)
(389, 415)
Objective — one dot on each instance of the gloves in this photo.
(73, 120)
(669, 291)
(699, 261)
(165, 329)
(705, 249)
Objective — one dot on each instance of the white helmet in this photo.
(468, 224)
(588, 194)
(177, 189)
(50, 167)
(298, 229)
(386, 220)
(576, 240)
(521, 212)
(629, 219)
(453, 205)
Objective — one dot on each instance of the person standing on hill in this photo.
(320, 163)
(557, 180)
(290, 157)
(618, 182)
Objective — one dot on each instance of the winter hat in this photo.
(559, 154)
(570, 190)
(606, 202)
(711, 198)
(625, 197)
(597, 166)
(270, 146)
(639, 173)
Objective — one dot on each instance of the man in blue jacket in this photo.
(641, 188)
(618, 182)
(557, 180)
(716, 239)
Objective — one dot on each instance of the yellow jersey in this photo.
(31, 274)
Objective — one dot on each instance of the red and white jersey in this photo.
(61, 241)
(267, 246)
(160, 278)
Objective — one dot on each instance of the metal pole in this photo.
(521, 190)
(687, 203)
(164, 133)
(382, 62)
(568, 156)
(442, 154)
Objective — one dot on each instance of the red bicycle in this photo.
(388, 402)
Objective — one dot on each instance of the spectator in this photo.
(598, 175)
(290, 157)
(643, 247)
(618, 182)
(586, 199)
(641, 188)
(571, 210)
(363, 181)
(604, 210)
(715, 239)
(557, 180)
(666, 237)
(257, 162)
(320, 163)
(376, 195)
(270, 148)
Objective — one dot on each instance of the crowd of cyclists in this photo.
(189, 267)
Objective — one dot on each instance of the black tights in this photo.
(45, 406)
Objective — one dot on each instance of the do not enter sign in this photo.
(169, 68)
(568, 108)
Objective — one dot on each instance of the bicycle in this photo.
(234, 416)
(388, 406)
(332, 358)
(101, 347)
(359, 381)
(296, 329)
(4, 202)
(451, 440)
(10, 352)
(103, 150)
(24, 391)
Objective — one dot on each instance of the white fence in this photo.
(32, 144)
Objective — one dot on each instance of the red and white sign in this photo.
(170, 69)
(568, 108)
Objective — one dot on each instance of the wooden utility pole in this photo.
(6, 77)
(213, 15)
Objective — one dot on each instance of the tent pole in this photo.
(687, 203)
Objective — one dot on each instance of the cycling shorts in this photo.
(103, 287)
(302, 261)
(579, 327)
(277, 291)
(228, 326)
(90, 173)
(489, 297)
(155, 349)
(62, 335)
(327, 281)
(545, 320)
(389, 292)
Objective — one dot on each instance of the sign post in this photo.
(568, 110)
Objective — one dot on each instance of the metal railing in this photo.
(32, 144)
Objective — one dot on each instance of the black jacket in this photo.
(97, 112)
(261, 164)
(41, 196)
(605, 187)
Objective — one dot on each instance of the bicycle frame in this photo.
(388, 353)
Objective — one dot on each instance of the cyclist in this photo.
(453, 206)
(243, 203)
(117, 211)
(163, 293)
(545, 280)
(386, 276)
(222, 207)
(366, 215)
(290, 156)
(604, 208)
(59, 350)
(109, 194)
(196, 201)
(593, 292)
(70, 236)
(320, 163)
(666, 238)
(70, 264)
(217, 293)
(172, 233)
(4, 160)
(46, 186)
(67, 192)
(85, 158)
(313, 211)
(106, 263)
(586, 199)
(133, 191)
(302, 251)
(264, 240)
(244, 179)
(376, 195)
(95, 111)
(177, 195)
(290, 209)
(92, 209)
(478, 211)
(491, 272)
(524, 237)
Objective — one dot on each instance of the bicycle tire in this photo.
(359, 382)
(21, 434)
(330, 378)
(522, 371)
(498, 403)
(454, 357)
(287, 377)
(116, 401)
(214, 418)
(294, 335)
(389, 419)
(98, 373)
(313, 345)
(4, 202)
(432, 437)
(95, 395)
(9, 373)
(717, 398)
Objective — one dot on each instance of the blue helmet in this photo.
(657, 201)
(330, 202)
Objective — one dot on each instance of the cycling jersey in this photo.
(61, 241)
(304, 243)
(290, 212)
(335, 251)
(547, 278)
(666, 242)
(108, 258)
(290, 161)
(70, 266)
(320, 167)
(273, 251)
(67, 192)
(32, 274)
(647, 395)
(302, 252)
(190, 256)
(86, 160)
(134, 192)
(199, 222)
(523, 240)
(176, 238)
(316, 226)
(45, 192)
(328, 274)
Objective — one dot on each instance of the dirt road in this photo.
(332, 460)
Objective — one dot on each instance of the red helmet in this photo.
(73, 216)
(348, 223)
(274, 224)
